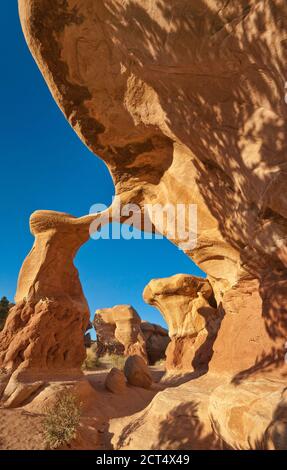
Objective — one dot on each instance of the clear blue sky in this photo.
(45, 166)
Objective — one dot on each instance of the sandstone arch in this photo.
(219, 144)
(185, 101)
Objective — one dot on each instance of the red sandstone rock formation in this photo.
(189, 308)
(184, 101)
(208, 413)
(116, 381)
(105, 328)
(137, 372)
(44, 333)
(202, 124)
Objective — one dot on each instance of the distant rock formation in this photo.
(188, 306)
(121, 331)
(156, 341)
(87, 340)
(87, 337)
(106, 342)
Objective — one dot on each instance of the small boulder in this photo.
(137, 372)
(115, 381)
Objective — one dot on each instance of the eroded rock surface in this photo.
(105, 327)
(189, 309)
(184, 101)
(185, 110)
(208, 413)
(44, 333)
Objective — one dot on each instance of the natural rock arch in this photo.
(115, 68)
(219, 145)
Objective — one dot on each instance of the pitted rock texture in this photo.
(189, 309)
(120, 325)
(105, 327)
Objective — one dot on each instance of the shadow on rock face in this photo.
(181, 430)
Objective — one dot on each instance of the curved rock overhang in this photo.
(184, 101)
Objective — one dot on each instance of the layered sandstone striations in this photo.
(208, 413)
(189, 309)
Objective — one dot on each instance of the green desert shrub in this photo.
(62, 420)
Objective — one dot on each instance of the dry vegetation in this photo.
(114, 360)
(62, 421)
(107, 361)
(92, 361)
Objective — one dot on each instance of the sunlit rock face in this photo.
(189, 309)
(105, 327)
(184, 101)
(44, 332)
(121, 331)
